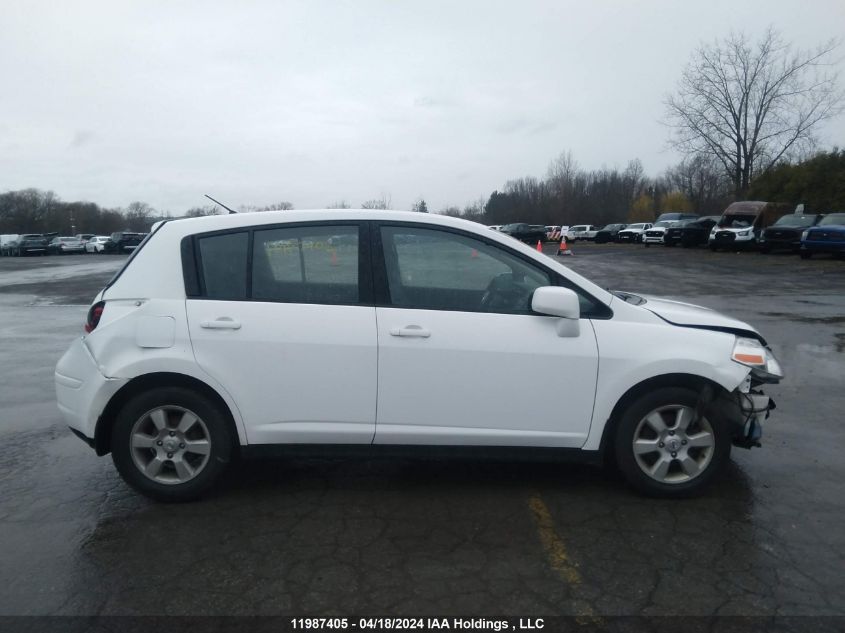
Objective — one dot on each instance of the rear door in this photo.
(284, 320)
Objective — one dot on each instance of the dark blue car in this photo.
(828, 236)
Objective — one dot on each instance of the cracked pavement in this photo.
(413, 536)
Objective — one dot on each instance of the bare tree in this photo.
(138, 216)
(420, 206)
(377, 203)
(198, 212)
(702, 181)
(752, 105)
(338, 204)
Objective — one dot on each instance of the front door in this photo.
(462, 359)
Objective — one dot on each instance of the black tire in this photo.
(805, 254)
(627, 462)
(219, 437)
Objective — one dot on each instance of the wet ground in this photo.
(393, 536)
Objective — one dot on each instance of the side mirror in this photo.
(559, 302)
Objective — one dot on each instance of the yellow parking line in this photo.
(552, 543)
(556, 551)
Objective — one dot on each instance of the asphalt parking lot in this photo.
(444, 537)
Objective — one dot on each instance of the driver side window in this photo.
(432, 269)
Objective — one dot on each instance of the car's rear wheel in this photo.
(171, 443)
(667, 446)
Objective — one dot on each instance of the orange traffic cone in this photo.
(539, 246)
(563, 247)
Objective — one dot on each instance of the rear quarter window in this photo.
(223, 262)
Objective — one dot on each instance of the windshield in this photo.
(636, 226)
(796, 220)
(737, 221)
(665, 223)
(613, 227)
(833, 218)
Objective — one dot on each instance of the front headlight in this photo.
(713, 230)
(745, 233)
(764, 366)
(804, 235)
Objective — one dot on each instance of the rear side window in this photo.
(311, 264)
(223, 260)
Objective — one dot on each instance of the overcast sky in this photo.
(314, 102)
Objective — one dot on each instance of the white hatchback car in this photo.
(380, 332)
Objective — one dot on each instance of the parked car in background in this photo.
(608, 233)
(657, 232)
(495, 227)
(828, 236)
(530, 234)
(65, 246)
(786, 232)
(226, 354)
(553, 233)
(29, 244)
(84, 236)
(97, 244)
(123, 242)
(633, 232)
(690, 233)
(581, 232)
(742, 223)
(6, 239)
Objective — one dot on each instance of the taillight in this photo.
(94, 315)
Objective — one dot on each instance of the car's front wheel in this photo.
(667, 446)
(171, 443)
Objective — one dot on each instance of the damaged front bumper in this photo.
(745, 409)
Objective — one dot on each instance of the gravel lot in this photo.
(452, 537)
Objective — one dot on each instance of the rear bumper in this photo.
(82, 391)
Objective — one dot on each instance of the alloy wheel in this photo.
(673, 444)
(170, 445)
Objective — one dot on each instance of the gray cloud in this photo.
(82, 137)
(313, 101)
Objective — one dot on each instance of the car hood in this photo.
(690, 315)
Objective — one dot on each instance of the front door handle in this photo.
(410, 331)
(223, 323)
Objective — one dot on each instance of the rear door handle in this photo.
(410, 331)
(223, 323)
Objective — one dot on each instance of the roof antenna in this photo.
(221, 204)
